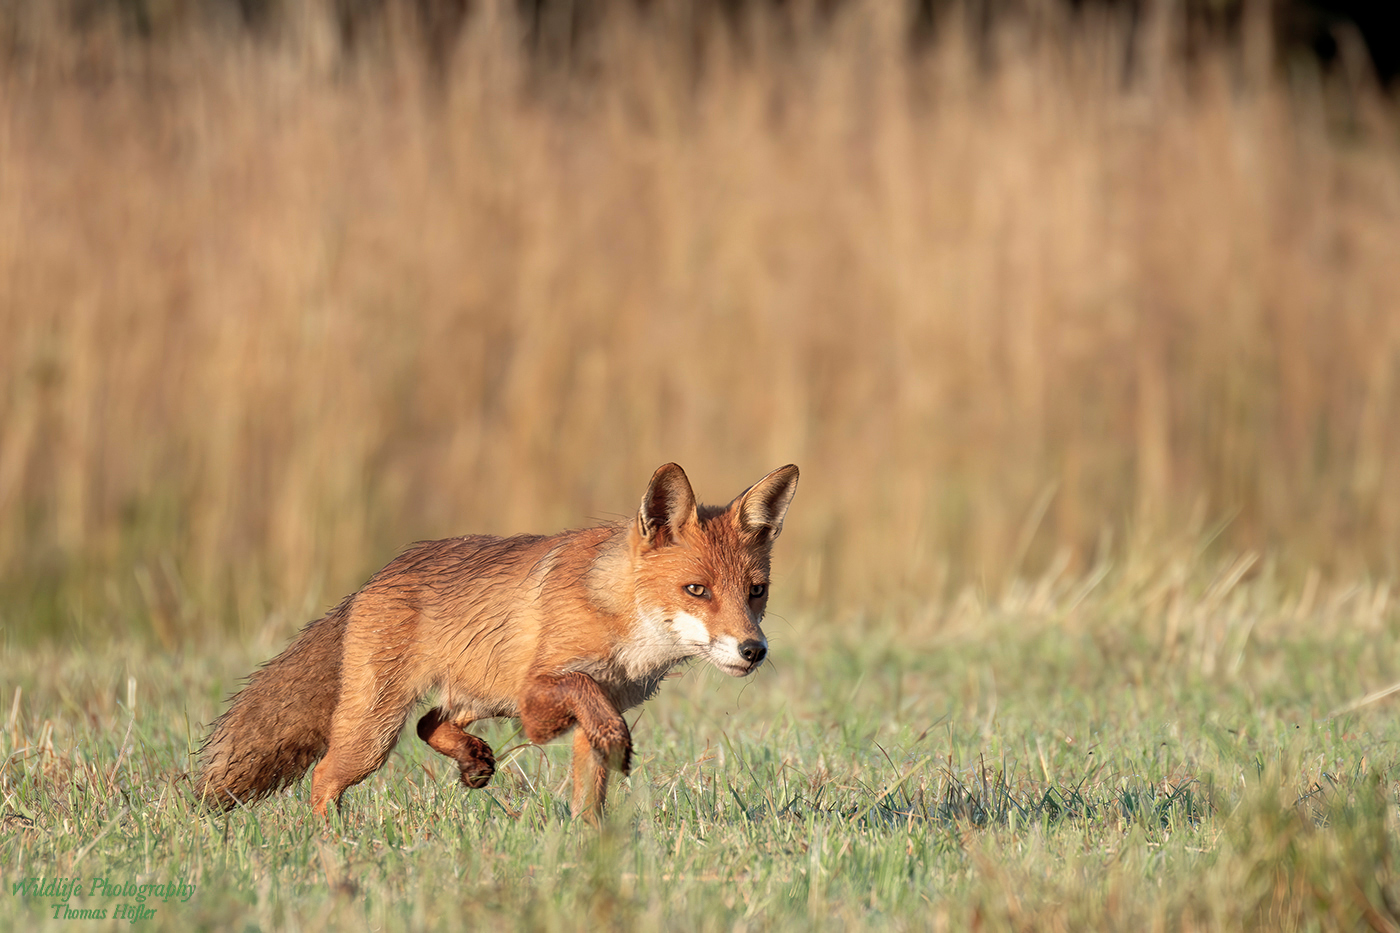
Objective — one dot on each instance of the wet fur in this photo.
(562, 632)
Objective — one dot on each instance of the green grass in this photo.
(1146, 748)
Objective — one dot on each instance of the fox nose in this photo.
(753, 650)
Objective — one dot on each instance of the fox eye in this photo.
(758, 591)
(696, 589)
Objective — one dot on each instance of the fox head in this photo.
(702, 571)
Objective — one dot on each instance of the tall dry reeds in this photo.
(267, 315)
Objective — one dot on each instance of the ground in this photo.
(1140, 748)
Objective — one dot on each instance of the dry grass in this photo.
(266, 316)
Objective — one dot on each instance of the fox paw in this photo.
(477, 774)
(614, 743)
(476, 763)
(624, 764)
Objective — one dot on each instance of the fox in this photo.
(562, 632)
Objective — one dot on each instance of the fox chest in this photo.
(632, 670)
(624, 689)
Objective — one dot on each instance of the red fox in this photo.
(561, 632)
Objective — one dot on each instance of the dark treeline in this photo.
(1329, 33)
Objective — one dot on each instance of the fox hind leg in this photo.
(345, 765)
(363, 733)
(473, 756)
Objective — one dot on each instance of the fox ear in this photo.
(760, 510)
(667, 507)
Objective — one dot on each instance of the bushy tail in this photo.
(279, 725)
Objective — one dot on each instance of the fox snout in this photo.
(726, 652)
(753, 651)
(737, 658)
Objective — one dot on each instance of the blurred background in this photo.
(1023, 287)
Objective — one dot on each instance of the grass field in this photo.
(1083, 613)
(1145, 748)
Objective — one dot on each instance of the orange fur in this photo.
(562, 632)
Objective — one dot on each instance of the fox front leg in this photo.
(473, 756)
(556, 703)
